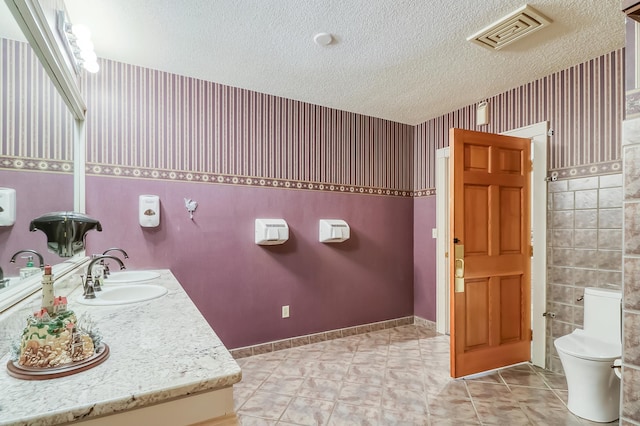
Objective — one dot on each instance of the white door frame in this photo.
(539, 140)
(442, 241)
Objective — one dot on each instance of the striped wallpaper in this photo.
(584, 105)
(34, 121)
(151, 124)
(145, 122)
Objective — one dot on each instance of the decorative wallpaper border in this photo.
(35, 164)
(588, 170)
(425, 192)
(599, 169)
(54, 166)
(223, 179)
(632, 104)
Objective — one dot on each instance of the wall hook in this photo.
(191, 206)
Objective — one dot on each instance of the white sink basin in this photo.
(123, 295)
(125, 277)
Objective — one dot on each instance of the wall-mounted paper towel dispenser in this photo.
(7, 206)
(271, 232)
(333, 231)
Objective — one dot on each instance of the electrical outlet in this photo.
(285, 311)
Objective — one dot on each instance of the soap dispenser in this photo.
(29, 269)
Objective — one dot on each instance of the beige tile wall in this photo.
(584, 249)
(631, 290)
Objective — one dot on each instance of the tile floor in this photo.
(398, 376)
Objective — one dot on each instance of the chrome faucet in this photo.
(89, 285)
(13, 258)
(106, 267)
(124, 253)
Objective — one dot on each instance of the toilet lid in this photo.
(586, 347)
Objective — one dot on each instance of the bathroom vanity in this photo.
(166, 366)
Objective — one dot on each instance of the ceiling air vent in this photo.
(510, 28)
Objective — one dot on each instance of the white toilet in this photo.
(587, 356)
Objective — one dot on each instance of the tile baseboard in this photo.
(293, 342)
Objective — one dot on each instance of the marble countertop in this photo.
(159, 350)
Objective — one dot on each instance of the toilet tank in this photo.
(603, 314)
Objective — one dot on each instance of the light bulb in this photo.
(88, 56)
(84, 44)
(81, 31)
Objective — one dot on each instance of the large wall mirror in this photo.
(42, 131)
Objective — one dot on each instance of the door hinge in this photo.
(530, 251)
(531, 334)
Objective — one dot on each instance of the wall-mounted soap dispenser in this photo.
(333, 231)
(149, 211)
(271, 232)
(7, 206)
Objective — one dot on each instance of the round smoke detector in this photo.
(323, 39)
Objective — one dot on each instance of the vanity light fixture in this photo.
(77, 42)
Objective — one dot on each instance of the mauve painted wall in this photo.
(240, 287)
(424, 258)
(36, 194)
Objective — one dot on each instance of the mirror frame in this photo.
(32, 19)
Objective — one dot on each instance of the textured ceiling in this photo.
(402, 60)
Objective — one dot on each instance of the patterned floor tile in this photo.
(265, 405)
(541, 415)
(490, 392)
(403, 418)
(500, 412)
(360, 394)
(365, 375)
(317, 388)
(523, 375)
(452, 408)
(283, 385)
(307, 411)
(244, 420)
(405, 401)
(351, 415)
(395, 376)
(533, 397)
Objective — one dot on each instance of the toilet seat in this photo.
(582, 346)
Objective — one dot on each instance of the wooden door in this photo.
(490, 251)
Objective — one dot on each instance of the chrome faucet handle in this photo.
(90, 291)
(87, 287)
(97, 282)
(105, 269)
